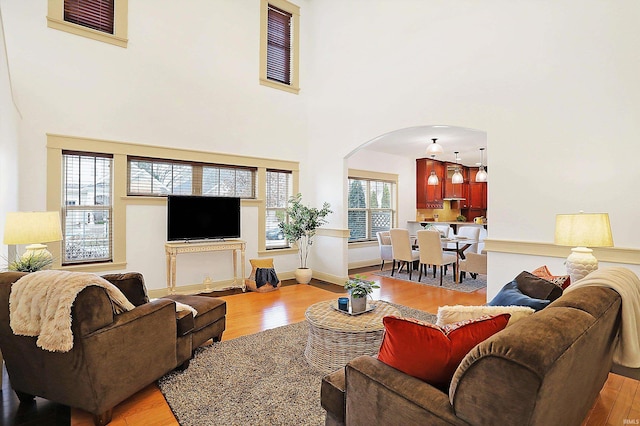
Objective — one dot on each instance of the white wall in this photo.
(188, 79)
(9, 117)
(405, 168)
(554, 85)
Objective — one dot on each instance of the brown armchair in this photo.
(113, 356)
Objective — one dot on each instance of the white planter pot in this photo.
(358, 304)
(303, 275)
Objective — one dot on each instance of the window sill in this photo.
(94, 267)
(363, 244)
(277, 251)
(86, 32)
(281, 86)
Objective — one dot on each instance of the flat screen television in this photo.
(191, 217)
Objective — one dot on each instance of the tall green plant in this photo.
(303, 221)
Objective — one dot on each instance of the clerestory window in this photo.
(102, 20)
(279, 47)
(155, 177)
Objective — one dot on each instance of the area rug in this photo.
(467, 285)
(259, 379)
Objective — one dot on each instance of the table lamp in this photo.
(580, 231)
(33, 228)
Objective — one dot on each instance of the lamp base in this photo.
(580, 263)
(40, 252)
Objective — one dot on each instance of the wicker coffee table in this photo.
(335, 338)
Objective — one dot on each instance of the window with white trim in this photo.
(154, 177)
(371, 208)
(102, 20)
(279, 190)
(87, 207)
(279, 50)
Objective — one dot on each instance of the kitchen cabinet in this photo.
(456, 190)
(429, 196)
(477, 195)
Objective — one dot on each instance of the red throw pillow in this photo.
(562, 281)
(429, 352)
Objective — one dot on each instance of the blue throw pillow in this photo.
(510, 295)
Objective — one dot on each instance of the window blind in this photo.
(279, 45)
(95, 14)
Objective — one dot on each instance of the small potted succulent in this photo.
(359, 288)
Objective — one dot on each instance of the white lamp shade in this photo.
(583, 230)
(32, 227)
(434, 148)
(433, 179)
(481, 176)
(457, 177)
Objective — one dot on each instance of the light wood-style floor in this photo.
(248, 313)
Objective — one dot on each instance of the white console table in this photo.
(173, 249)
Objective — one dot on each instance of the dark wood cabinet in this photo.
(456, 190)
(477, 195)
(429, 196)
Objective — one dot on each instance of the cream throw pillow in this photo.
(451, 314)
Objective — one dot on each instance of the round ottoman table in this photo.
(335, 337)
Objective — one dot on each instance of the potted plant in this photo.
(300, 228)
(359, 288)
(31, 262)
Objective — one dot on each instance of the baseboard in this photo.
(365, 263)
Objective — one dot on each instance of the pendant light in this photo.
(481, 176)
(433, 177)
(457, 176)
(434, 148)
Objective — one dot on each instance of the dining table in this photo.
(461, 245)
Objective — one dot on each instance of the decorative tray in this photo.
(370, 307)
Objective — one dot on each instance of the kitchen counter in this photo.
(454, 223)
(417, 225)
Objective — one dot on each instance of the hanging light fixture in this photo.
(481, 176)
(434, 148)
(433, 177)
(457, 176)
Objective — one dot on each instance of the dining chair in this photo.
(471, 233)
(445, 230)
(402, 251)
(431, 253)
(474, 264)
(481, 238)
(384, 243)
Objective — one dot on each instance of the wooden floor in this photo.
(248, 313)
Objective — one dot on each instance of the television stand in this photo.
(173, 249)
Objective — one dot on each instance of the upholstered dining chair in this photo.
(471, 233)
(431, 253)
(402, 251)
(474, 264)
(384, 243)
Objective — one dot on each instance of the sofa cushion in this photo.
(537, 287)
(561, 281)
(131, 284)
(451, 314)
(510, 295)
(432, 353)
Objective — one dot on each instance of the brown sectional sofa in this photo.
(546, 369)
(113, 356)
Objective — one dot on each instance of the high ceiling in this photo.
(412, 142)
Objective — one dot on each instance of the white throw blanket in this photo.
(40, 305)
(627, 284)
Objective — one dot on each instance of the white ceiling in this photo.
(412, 142)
